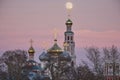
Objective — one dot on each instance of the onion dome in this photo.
(68, 22)
(31, 50)
(65, 56)
(55, 49)
(44, 57)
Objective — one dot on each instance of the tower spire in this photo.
(55, 35)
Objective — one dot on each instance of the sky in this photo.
(95, 23)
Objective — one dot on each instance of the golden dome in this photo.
(68, 22)
(31, 50)
(55, 49)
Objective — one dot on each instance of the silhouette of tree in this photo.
(94, 56)
(84, 73)
(14, 61)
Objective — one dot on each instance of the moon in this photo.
(69, 5)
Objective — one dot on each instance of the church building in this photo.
(54, 60)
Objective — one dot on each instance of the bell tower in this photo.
(69, 41)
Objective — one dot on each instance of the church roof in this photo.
(44, 57)
(55, 48)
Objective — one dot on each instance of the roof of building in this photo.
(55, 48)
(44, 57)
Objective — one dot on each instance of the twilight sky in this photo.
(95, 23)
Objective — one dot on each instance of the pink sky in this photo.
(95, 23)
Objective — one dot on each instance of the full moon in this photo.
(69, 5)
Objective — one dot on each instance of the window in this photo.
(71, 38)
(110, 67)
(68, 37)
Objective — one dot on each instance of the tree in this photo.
(3, 73)
(99, 60)
(14, 61)
(84, 73)
(96, 60)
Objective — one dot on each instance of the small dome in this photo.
(31, 50)
(44, 57)
(68, 22)
(65, 56)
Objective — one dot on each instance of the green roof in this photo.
(55, 48)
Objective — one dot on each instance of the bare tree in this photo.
(85, 73)
(94, 56)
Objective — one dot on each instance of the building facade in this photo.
(56, 63)
(112, 70)
(69, 44)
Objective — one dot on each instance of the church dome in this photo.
(65, 56)
(55, 49)
(68, 22)
(44, 57)
(31, 50)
